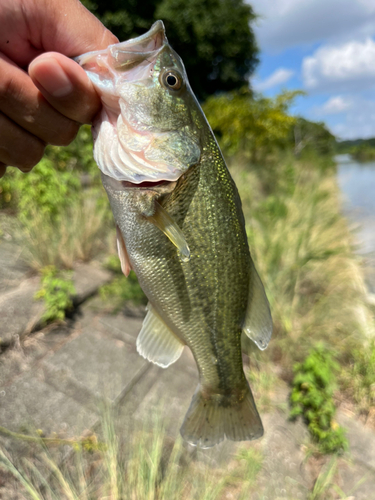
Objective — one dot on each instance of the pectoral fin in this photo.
(258, 321)
(156, 342)
(122, 253)
(162, 220)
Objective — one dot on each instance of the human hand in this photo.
(49, 103)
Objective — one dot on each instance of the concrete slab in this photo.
(283, 474)
(171, 393)
(122, 327)
(101, 365)
(19, 312)
(361, 441)
(29, 403)
(13, 269)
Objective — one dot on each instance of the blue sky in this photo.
(327, 49)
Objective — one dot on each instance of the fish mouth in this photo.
(146, 184)
(131, 53)
(160, 186)
(124, 56)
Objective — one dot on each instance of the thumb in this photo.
(67, 29)
(65, 85)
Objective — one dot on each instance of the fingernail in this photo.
(50, 75)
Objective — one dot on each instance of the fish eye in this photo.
(172, 80)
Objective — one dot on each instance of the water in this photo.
(357, 183)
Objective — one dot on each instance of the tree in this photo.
(213, 37)
(252, 124)
(314, 136)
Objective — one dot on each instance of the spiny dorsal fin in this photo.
(156, 342)
(122, 253)
(258, 321)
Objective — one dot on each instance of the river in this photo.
(357, 183)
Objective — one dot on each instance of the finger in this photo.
(3, 168)
(18, 148)
(71, 29)
(65, 85)
(22, 102)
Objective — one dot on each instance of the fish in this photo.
(180, 227)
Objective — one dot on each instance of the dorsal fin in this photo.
(156, 342)
(258, 320)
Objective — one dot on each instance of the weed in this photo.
(312, 398)
(324, 482)
(148, 466)
(359, 378)
(302, 249)
(121, 289)
(57, 292)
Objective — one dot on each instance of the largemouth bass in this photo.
(180, 227)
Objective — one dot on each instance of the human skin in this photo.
(44, 95)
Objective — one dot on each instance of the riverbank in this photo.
(357, 184)
(303, 250)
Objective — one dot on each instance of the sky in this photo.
(325, 48)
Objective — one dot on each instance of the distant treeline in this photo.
(360, 149)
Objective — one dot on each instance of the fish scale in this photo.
(184, 237)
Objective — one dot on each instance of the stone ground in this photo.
(57, 380)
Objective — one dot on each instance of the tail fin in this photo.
(209, 420)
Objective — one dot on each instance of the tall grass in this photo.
(147, 466)
(304, 253)
(79, 234)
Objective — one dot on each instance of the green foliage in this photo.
(57, 292)
(47, 190)
(363, 152)
(121, 289)
(254, 125)
(351, 146)
(213, 37)
(52, 185)
(359, 378)
(62, 207)
(302, 249)
(312, 136)
(312, 398)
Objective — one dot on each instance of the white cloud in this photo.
(278, 77)
(335, 105)
(347, 66)
(356, 121)
(287, 23)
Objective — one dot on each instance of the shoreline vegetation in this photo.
(304, 253)
(362, 150)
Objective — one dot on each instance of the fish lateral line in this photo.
(167, 225)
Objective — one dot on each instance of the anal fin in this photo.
(258, 320)
(156, 342)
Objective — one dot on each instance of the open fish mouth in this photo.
(147, 184)
(145, 131)
(125, 55)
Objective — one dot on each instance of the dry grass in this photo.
(80, 234)
(149, 466)
(303, 250)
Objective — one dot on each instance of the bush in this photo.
(254, 125)
(57, 292)
(312, 397)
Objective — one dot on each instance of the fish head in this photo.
(150, 126)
